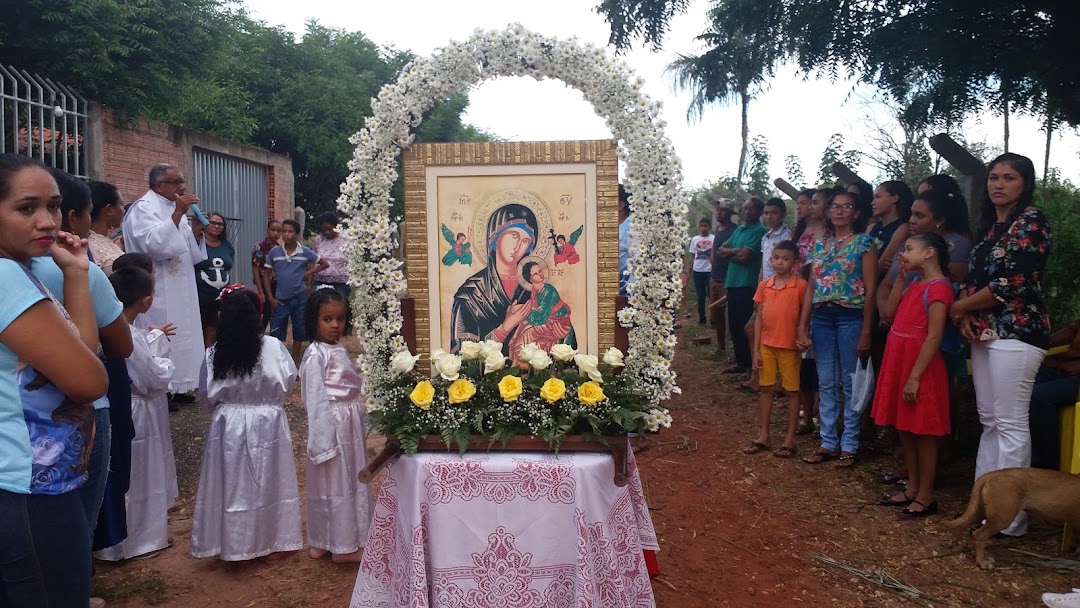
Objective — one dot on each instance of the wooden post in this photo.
(742, 195)
(782, 185)
(845, 173)
(974, 170)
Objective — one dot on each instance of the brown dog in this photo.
(999, 495)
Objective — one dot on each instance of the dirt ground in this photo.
(734, 530)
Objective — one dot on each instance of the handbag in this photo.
(950, 338)
(862, 385)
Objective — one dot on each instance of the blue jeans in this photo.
(44, 551)
(93, 492)
(701, 289)
(291, 308)
(835, 331)
(1052, 393)
(740, 307)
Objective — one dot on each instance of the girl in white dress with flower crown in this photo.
(338, 505)
(248, 503)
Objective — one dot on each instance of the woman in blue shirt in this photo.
(46, 410)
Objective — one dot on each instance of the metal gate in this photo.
(43, 119)
(236, 189)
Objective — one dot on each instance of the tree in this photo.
(896, 147)
(947, 57)
(759, 183)
(201, 65)
(736, 73)
(834, 153)
(793, 168)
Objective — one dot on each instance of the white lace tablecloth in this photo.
(507, 530)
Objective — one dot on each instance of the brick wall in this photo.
(122, 153)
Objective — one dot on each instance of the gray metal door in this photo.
(236, 189)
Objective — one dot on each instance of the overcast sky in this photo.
(796, 115)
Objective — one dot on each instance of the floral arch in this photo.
(653, 176)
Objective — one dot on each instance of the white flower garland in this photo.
(653, 175)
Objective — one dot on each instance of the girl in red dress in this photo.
(913, 388)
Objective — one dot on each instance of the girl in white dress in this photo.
(148, 496)
(248, 504)
(338, 507)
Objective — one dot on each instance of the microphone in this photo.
(199, 215)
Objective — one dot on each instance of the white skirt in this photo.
(171, 487)
(338, 505)
(147, 498)
(248, 504)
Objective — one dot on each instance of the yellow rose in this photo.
(553, 390)
(423, 394)
(590, 393)
(510, 388)
(460, 391)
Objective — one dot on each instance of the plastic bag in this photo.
(862, 385)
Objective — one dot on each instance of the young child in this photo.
(701, 247)
(338, 505)
(148, 496)
(294, 265)
(913, 389)
(779, 301)
(248, 502)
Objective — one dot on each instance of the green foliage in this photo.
(487, 416)
(760, 183)
(203, 65)
(835, 152)
(795, 175)
(1060, 201)
(942, 58)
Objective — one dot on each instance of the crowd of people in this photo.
(894, 284)
(138, 298)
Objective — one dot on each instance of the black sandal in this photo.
(845, 461)
(888, 501)
(819, 457)
(927, 510)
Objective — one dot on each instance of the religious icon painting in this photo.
(511, 254)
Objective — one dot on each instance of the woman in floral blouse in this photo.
(841, 298)
(1001, 311)
(331, 247)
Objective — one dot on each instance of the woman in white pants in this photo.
(1001, 311)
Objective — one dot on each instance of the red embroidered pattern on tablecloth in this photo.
(448, 480)
(645, 529)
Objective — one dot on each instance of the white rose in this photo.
(448, 366)
(470, 350)
(488, 347)
(613, 357)
(494, 362)
(403, 362)
(527, 352)
(562, 352)
(587, 364)
(540, 360)
(438, 353)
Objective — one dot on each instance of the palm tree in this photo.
(733, 68)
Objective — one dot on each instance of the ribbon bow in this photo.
(229, 289)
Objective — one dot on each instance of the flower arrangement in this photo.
(546, 394)
(653, 175)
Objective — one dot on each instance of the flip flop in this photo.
(846, 460)
(784, 452)
(755, 448)
(819, 457)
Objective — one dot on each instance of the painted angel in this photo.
(459, 248)
(565, 251)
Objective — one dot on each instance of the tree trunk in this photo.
(1005, 113)
(744, 102)
(1046, 155)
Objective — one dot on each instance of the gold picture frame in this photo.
(565, 196)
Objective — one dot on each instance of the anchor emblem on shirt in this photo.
(217, 266)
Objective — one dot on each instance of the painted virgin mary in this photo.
(491, 304)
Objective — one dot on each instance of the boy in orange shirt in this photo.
(779, 301)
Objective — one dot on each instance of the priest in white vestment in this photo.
(157, 225)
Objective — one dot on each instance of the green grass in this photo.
(145, 584)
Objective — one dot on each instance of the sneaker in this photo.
(1062, 600)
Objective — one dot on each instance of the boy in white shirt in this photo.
(701, 248)
(148, 497)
